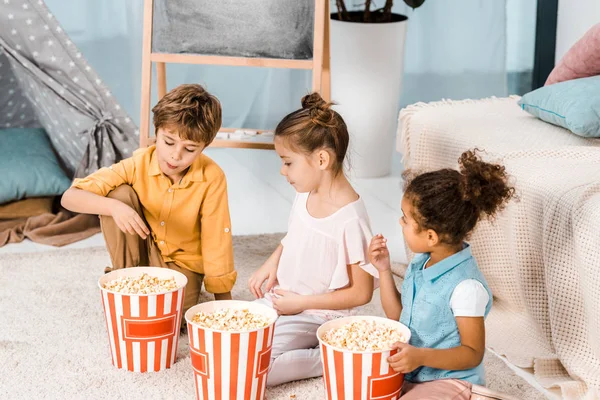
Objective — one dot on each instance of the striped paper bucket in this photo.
(143, 329)
(230, 365)
(359, 375)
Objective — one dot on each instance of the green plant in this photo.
(382, 14)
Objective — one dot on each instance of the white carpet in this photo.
(53, 341)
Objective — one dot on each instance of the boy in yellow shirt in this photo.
(167, 204)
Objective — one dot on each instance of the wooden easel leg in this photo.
(326, 83)
(145, 106)
(318, 45)
(146, 74)
(161, 77)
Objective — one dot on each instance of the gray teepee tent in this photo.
(45, 81)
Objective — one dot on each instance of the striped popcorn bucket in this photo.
(143, 329)
(359, 375)
(230, 365)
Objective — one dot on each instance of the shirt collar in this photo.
(154, 168)
(196, 171)
(448, 263)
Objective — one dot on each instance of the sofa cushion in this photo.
(573, 104)
(582, 60)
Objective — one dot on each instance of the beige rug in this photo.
(53, 341)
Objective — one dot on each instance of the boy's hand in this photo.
(407, 359)
(128, 220)
(288, 303)
(379, 255)
(265, 273)
(223, 296)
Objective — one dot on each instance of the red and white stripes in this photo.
(230, 366)
(143, 330)
(359, 376)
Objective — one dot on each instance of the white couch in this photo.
(541, 256)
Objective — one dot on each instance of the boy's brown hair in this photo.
(191, 112)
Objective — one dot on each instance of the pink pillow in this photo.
(582, 60)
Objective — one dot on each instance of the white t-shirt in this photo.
(317, 251)
(469, 299)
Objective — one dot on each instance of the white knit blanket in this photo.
(541, 256)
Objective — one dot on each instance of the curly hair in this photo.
(451, 202)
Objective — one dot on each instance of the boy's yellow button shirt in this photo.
(189, 220)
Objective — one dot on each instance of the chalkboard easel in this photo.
(319, 64)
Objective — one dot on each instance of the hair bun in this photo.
(485, 185)
(319, 110)
(313, 100)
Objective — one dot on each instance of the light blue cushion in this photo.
(573, 104)
(29, 166)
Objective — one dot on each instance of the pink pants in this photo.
(442, 389)
(449, 389)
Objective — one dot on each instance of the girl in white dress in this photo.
(320, 271)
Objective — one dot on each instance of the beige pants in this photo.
(128, 250)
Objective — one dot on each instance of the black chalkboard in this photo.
(238, 28)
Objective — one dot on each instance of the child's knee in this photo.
(124, 194)
(277, 349)
(284, 341)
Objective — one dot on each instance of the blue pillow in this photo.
(573, 104)
(29, 166)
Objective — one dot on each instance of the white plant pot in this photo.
(367, 65)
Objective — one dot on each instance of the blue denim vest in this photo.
(426, 309)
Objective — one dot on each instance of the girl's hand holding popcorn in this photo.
(379, 255)
(288, 303)
(268, 273)
(407, 359)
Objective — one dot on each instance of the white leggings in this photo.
(295, 353)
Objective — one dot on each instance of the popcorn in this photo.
(228, 319)
(364, 335)
(144, 284)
